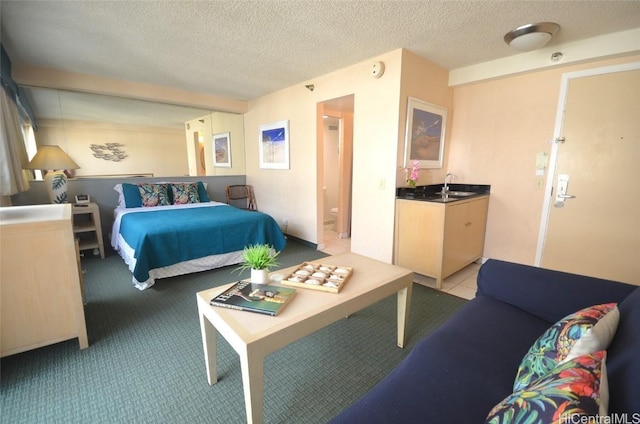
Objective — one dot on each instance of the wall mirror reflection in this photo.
(109, 136)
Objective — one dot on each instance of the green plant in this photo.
(258, 256)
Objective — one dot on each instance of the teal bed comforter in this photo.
(166, 237)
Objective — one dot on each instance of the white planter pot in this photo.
(259, 276)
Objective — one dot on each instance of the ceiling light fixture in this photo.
(531, 36)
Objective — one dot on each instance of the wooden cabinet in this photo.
(40, 294)
(438, 239)
(87, 227)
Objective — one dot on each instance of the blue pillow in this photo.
(202, 192)
(131, 193)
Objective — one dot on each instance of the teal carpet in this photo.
(145, 362)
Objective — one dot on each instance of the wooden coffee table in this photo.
(253, 336)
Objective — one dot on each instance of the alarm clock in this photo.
(82, 199)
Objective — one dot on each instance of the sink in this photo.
(461, 193)
(451, 196)
(442, 199)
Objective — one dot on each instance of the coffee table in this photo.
(253, 336)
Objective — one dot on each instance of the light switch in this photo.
(542, 160)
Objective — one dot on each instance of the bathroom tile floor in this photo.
(334, 245)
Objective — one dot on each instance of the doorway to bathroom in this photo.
(335, 158)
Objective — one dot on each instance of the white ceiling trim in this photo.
(601, 47)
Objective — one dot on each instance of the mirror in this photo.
(109, 136)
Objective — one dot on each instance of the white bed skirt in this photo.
(187, 267)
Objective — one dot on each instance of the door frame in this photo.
(342, 108)
(557, 133)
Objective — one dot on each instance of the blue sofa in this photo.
(468, 365)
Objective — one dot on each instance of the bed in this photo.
(170, 237)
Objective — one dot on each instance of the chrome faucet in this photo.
(445, 189)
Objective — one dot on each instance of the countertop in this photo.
(433, 192)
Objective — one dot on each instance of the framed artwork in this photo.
(424, 139)
(274, 145)
(222, 150)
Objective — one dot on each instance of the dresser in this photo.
(40, 293)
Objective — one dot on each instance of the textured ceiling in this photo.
(245, 49)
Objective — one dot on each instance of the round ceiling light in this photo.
(531, 36)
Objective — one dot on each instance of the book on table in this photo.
(260, 298)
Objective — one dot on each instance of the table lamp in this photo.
(53, 158)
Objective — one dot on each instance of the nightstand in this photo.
(87, 227)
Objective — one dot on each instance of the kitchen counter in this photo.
(433, 192)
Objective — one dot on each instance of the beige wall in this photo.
(150, 150)
(210, 125)
(428, 82)
(378, 139)
(498, 127)
(291, 194)
(233, 124)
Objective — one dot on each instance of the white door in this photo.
(593, 225)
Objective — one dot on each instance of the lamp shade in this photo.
(51, 158)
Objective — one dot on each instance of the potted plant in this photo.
(259, 258)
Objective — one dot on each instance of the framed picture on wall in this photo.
(425, 134)
(222, 150)
(274, 145)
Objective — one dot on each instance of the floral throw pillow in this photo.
(586, 331)
(154, 194)
(184, 193)
(573, 389)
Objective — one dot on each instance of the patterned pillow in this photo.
(586, 331)
(573, 389)
(184, 193)
(154, 194)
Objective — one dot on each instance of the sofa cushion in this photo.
(586, 331)
(546, 293)
(576, 388)
(623, 360)
(458, 373)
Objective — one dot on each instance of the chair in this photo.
(241, 196)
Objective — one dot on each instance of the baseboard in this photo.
(303, 242)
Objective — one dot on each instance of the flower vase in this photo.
(411, 183)
(259, 276)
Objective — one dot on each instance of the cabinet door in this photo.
(477, 218)
(419, 235)
(465, 226)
